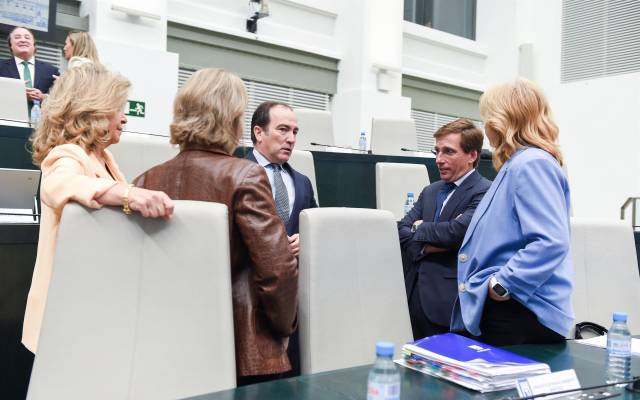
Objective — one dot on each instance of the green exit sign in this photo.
(135, 108)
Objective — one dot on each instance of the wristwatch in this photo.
(497, 288)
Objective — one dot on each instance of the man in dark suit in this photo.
(432, 232)
(37, 75)
(274, 127)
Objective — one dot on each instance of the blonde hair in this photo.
(83, 46)
(78, 109)
(519, 114)
(209, 110)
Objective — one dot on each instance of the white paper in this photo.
(601, 341)
(548, 383)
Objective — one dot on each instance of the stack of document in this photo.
(469, 363)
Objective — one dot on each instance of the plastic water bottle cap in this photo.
(409, 194)
(620, 316)
(384, 349)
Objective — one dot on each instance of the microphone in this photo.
(415, 151)
(333, 145)
(633, 386)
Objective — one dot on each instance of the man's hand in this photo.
(34, 94)
(294, 244)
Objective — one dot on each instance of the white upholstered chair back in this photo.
(137, 152)
(302, 161)
(352, 290)
(606, 275)
(138, 308)
(314, 126)
(388, 136)
(394, 181)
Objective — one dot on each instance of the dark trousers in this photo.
(508, 322)
(420, 323)
(293, 352)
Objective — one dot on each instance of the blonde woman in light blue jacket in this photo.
(514, 267)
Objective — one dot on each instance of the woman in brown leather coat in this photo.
(207, 124)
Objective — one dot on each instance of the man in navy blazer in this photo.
(432, 232)
(274, 127)
(22, 46)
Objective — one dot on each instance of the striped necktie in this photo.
(280, 193)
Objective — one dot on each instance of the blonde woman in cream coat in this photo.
(80, 119)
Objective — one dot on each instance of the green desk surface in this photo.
(351, 383)
(15, 147)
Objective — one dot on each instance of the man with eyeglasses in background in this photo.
(432, 232)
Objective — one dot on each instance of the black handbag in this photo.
(586, 326)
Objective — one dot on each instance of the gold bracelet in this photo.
(125, 200)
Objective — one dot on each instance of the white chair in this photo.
(302, 161)
(388, 136)
(314, 126)
(606, 275)
(137, 152)
(138, 308)
(352, 290)
(394, 181)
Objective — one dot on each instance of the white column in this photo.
(131, 37)
(370, 77)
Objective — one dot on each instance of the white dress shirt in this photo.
(457, 183)
(286, 178)
(32, 68)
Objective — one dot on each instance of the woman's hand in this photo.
(494, 296)
(150, 203)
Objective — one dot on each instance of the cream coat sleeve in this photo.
(68, 175)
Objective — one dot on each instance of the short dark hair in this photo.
(471, 137)
(13, 30)
(261, 118)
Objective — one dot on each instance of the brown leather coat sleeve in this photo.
(276, 269)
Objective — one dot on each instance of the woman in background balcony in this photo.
(80, 119)
(79, 49)
(514, 266)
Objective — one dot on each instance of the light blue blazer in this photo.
(520, 233)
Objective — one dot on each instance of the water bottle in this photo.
(384, 377)
(362, 143)
(408, 204)
(35, 113)
(618, 349)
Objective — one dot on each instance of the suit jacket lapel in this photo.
(458, 195)
(429, 202)
(250, 156)
(12, 68)
(484, 204)
(37, 74)
(298, 186)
